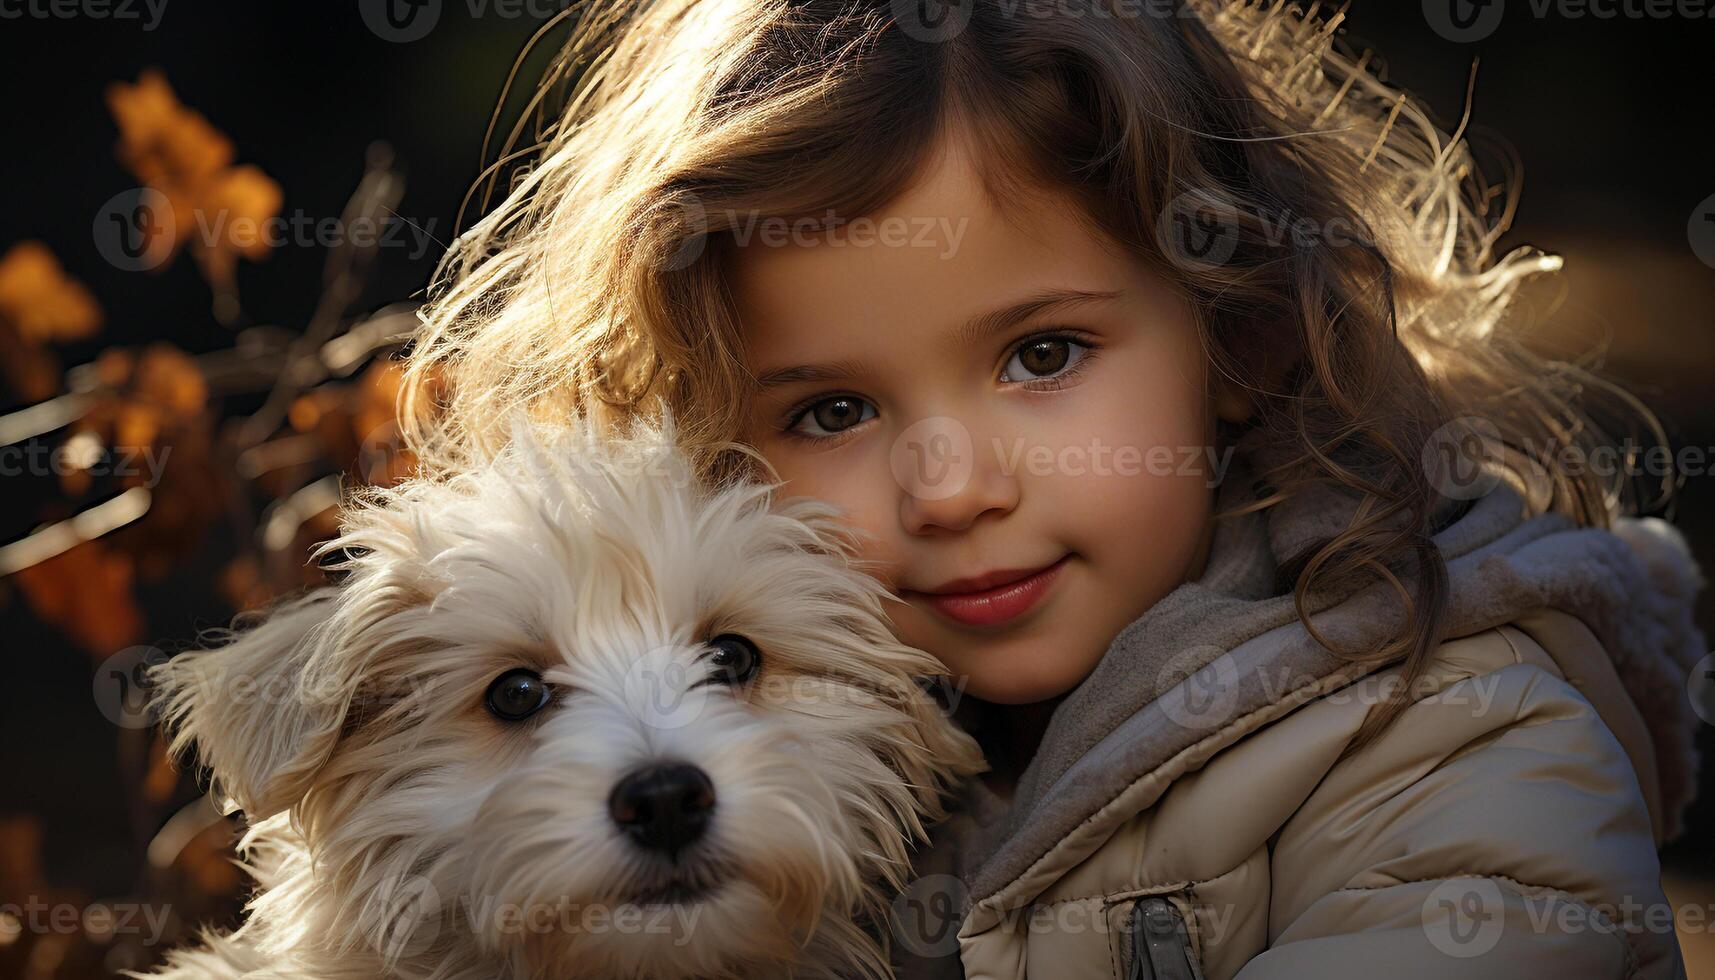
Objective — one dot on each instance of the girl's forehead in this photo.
(941, 251)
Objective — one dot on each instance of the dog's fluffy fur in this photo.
(398, 828)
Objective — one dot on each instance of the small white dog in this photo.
(570, 714)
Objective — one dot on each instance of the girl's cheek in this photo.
(850, 478)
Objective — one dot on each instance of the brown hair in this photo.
(596, 288)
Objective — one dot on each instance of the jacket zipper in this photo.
(1160, 949)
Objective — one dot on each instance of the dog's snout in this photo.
(665, 806)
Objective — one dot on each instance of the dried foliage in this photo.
(155, 466)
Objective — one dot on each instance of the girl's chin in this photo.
(1013, 691)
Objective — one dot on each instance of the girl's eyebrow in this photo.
(974, 330)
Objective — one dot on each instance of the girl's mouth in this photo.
(996, 604)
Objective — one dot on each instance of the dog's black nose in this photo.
(665, 806)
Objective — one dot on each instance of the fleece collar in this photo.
(1226, 646)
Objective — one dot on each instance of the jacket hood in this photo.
(1226, 645)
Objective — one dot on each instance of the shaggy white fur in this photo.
(570, 714)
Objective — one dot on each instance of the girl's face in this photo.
(987, 393)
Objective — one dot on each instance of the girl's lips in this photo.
(989, 607)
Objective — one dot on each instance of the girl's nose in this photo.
(946, 481)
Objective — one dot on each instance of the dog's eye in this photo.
(517, 694)
(736, 659)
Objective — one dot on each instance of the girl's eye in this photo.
(1043, 357)
(735, 659)
(833, 416)
(516, 694)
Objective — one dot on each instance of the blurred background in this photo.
(250, 377)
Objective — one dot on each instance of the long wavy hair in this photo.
(596, 287)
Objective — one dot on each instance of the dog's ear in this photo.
(262, 711)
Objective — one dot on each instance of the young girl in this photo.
(1159, 352)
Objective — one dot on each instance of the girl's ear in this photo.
(255, 710)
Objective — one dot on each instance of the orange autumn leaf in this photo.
(86, 592)
(383, 458)
(162, 779)
(241, 583)
(161, 141)
(152, 399)
(207, 861)
(20, 854)
(248, 198)
(218, 208)
(32, 373)
(155, 417)
(169, 378)
(40, 302)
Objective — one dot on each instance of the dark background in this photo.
(1609, 117)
